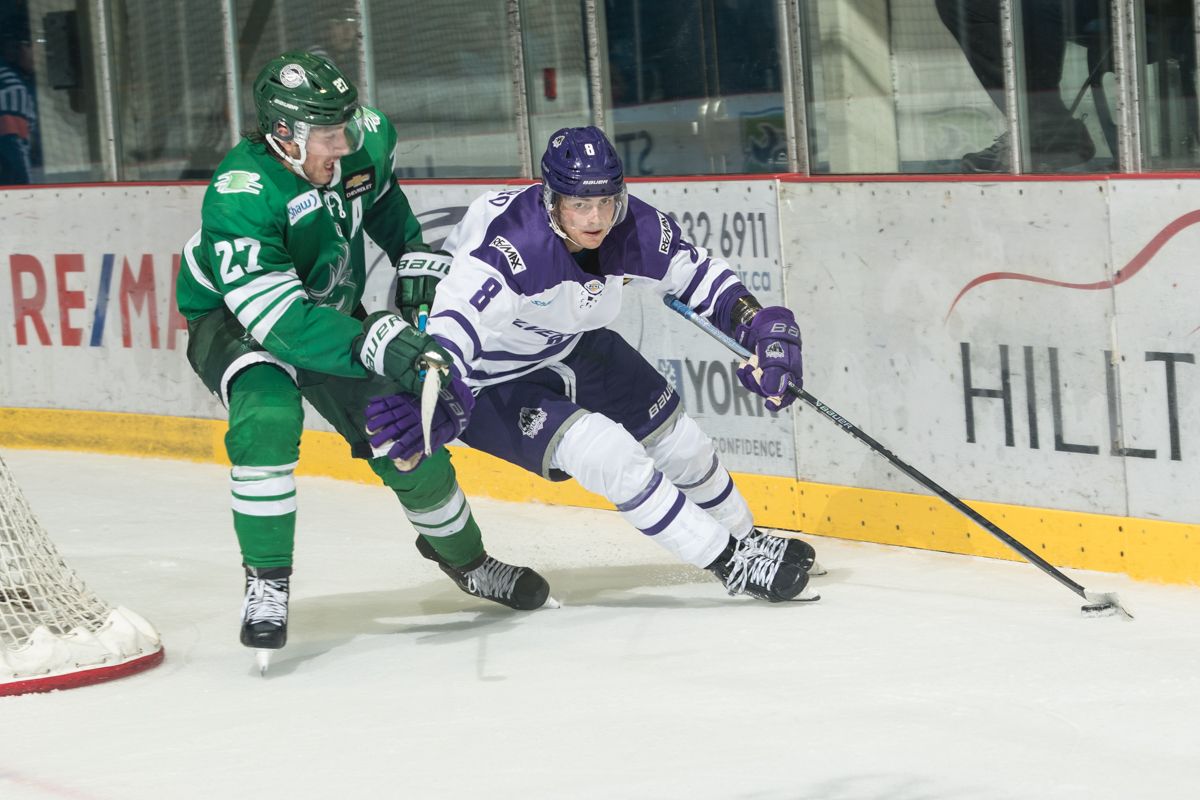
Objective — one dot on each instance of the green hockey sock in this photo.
(265, 541)
(436, 506)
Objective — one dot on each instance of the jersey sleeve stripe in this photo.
(719, 285)
(252, 311)
(697, 279)
(269, 282)
(465, 325)
(261, 327)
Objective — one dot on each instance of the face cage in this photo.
(550, 199)
(301, 131)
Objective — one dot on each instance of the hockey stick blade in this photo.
(1103, 604)
(1099, 604)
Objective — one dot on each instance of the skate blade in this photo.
(262, 658)
(806, 596)
(816, 570)
(551, 603)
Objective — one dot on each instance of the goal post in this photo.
(54, 632)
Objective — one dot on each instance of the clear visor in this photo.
(325, 141)
(607, 210)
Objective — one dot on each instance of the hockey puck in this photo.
(1099, 610)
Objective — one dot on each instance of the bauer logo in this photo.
(515, 264)
(301, 206)
(672, 370)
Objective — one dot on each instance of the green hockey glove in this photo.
(417, 277)
(390, 347)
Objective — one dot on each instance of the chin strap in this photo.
(297, 165)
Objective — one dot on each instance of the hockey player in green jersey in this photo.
(271, 286)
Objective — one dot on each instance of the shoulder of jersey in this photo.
(516, 240)
(248, 174)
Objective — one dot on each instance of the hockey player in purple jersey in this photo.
(540, 381)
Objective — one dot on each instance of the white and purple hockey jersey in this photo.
(517, 300)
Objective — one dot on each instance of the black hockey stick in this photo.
(1099, 604)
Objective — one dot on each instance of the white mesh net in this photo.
(54, 633)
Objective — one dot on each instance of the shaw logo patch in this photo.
(665, 235)
(357, 183)
(236, 181)
(532, 421)
(302, 205)
(515, 264)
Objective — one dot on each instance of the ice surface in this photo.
(919, 676)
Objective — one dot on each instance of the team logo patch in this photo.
(558, 140)
(515, 264)
(238, 180)
(292, 75)
(302, 205)
(532, 421)
(359, 182)
(774, 350)
(591, 293)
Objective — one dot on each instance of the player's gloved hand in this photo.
(774, 339)
(394, 421)
(391, 347)
(417, 277)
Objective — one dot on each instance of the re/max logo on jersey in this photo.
(664, 239)
(301, 206)
(515, 264)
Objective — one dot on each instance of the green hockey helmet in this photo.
(300, 95)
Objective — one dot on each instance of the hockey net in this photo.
(54, 633)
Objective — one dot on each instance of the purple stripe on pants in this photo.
(676, 507)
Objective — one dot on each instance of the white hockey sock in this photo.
(446, 519)
(607, 460)
(686, 455)
(263, 491)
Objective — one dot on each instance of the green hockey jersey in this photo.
(287, 258)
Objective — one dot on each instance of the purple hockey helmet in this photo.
(581, 162)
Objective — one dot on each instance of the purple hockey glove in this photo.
(394, 421)
(774, 339)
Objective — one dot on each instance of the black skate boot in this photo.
(265, 610)
(757, 568)
(516, 587)
(793, 551)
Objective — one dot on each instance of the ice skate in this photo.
(264, 612)
(516, 587)
(756, 566)
(793, 551)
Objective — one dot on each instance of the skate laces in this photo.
(493, 578)
(752, 563)
(772, 547)
(266, 600)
